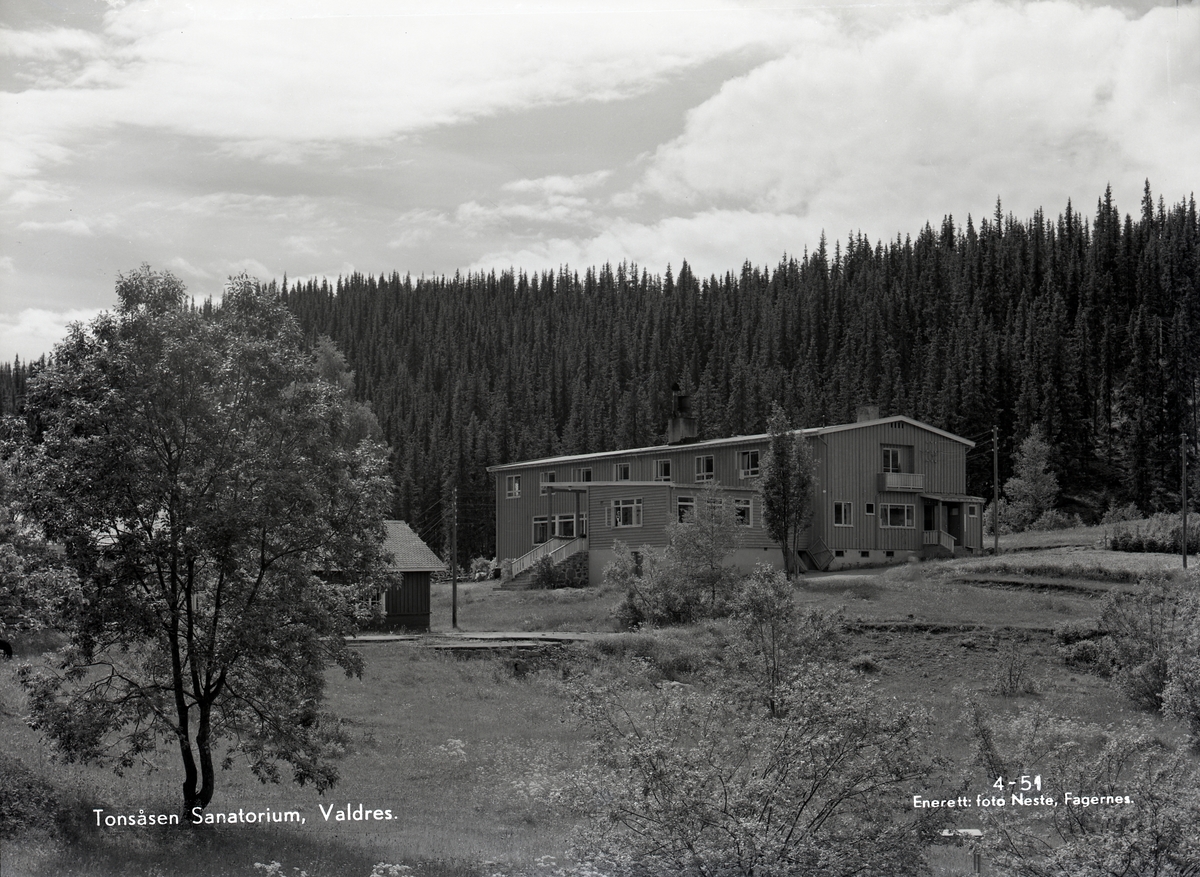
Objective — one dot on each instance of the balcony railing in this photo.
(901, 481)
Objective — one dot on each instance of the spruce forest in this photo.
(1086, 326)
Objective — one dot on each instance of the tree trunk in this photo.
(204, 748)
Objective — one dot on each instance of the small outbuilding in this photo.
(406, 600)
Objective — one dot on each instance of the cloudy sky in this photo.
(319, 137)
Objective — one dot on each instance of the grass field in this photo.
(473, 756)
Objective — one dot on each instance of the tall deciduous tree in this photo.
(202, 475)
(1031, 492)
(786, 486)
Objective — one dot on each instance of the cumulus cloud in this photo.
(712, 241)
(32, 332)
(944, 113)
(67, 226)
(48, 44)
(250, 74)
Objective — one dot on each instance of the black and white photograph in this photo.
(598, 438)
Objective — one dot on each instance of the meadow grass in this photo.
(476, 762)
(484, 606)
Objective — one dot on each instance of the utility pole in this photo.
(995, 490)
(1183, 494)
(454, 556)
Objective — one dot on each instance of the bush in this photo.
(570, 573)
(1121, 514)
(989, 519)
(1054, 519)
(696, 783)
(1009, 672)
(864, 664)
(1158, 832)
(660, 590)
(27, 802)
(1142, 632)
(1161, 534)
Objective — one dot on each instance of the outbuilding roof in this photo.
(409, 553)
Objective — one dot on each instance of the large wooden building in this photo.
(886, 489)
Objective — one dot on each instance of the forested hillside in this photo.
(1088, 326)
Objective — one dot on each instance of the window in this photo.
(891, 459)
(541, 529)
(626, 512)
(889, 554)
(662, 470)
(870, 508)
(896, 516)
(512, 487)
(864, 554)
(741, 509)
(842, 512)
(704, 468)
(582, 474)
(563, 526)
(748, 464)
(972, 511)
(621, 471)
(544, 479)
(687, 508)
(839, 553)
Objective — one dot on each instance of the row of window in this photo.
(890, 514)
(558, 527)
(628, 512)
(748, 467)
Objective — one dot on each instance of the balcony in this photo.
(914, 481)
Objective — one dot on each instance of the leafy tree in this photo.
(200, 474)
(36, 585)
(700, 544)
(688, 580)
(706, 784)
(775, 635)
(1155, 831)
(786, 486)
(1031, 492)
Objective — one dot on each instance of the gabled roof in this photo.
(409, 553)
(723, 442)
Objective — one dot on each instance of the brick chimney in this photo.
(682, 426)
(867, 412)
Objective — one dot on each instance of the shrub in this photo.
(1162, 533)
(1053, 519)
(864, 664)
(660, 590)
(1009, 672)
(570, 573)
(1141, 633)
(1158, 834)
(1121, 514)
(989, 519)
(707, 784)
(27, 802)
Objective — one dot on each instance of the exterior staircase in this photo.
(519, 573)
